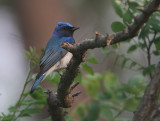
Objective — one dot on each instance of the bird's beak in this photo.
(75, 28)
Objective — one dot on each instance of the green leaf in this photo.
(49, 119)
(131, 104)
(133, 64)
(93, 112)
(38, 94)
(110, 81)
(80, 111)
(78, 77)
(157, 43)
(127, 17)
(7, 117)
(68, 118)
(34, 76)
(29, 111)
(32, 56)
(117, 26)
(156, 52)
(133, 5)
(135, 80)
(149, 69)
(106, 113)
(31, 102)
(42, 51)
(53, 78)
(27, 54)
(92, 60)
(144, 32)
(124, 62)
(107, 95)
(135, 85)
(141, 45)
(154, 23)
(26, 94)
(116, 60)
(12, 109)
(87, 68)
(117, 8)
(31, 49)
(91, 83)
(132, 48)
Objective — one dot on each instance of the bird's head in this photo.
(65, 29)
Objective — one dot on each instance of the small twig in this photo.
(118, 114)
(74, 85)
(76, 94)
(148, 47)
(98, 36)
(21, 96)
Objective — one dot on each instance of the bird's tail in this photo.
(36, 83)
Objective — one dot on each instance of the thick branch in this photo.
(56, 112)
(150, 99)
(63, 97)
(155, 114)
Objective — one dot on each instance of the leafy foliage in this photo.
(113, 99)
(117, 26)
(24, 106)
(148, 37)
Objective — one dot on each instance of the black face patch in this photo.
(66, 31)
(67, 28)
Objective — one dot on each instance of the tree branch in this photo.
(56, 111)
(150, 98)
(155, 115)
(63, 98)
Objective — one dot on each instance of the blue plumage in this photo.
(55, 57)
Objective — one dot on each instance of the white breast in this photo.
(60, 64)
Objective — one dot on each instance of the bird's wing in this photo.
(53, 55)
(47, 54)
(50, 58)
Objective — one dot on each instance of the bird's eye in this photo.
(65, 28)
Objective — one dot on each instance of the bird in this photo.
(55, 58)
